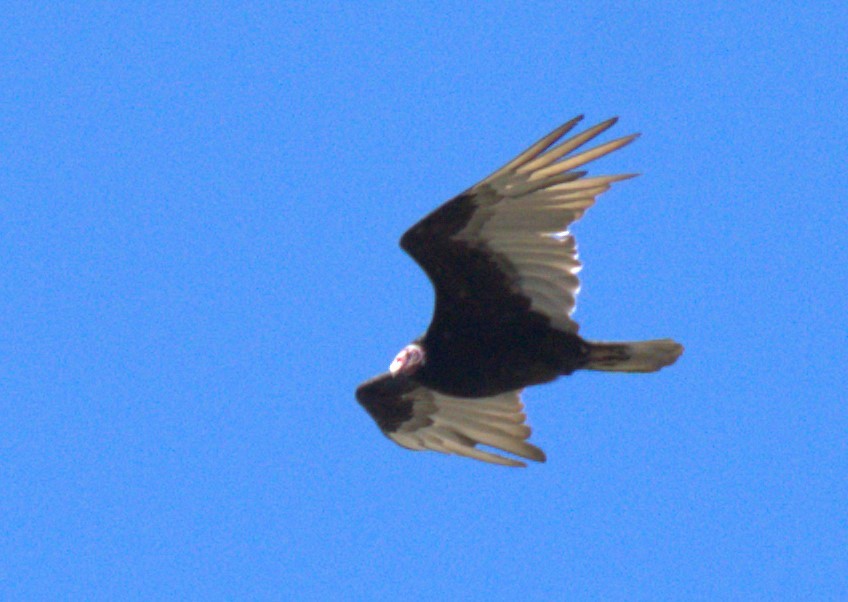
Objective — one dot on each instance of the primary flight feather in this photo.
(504, 269)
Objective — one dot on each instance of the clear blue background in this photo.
(199, 214)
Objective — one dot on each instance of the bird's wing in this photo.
(504, 243)
(419, 418)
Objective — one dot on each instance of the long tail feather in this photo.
(636, 356)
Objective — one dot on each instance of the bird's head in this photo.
(408, 360)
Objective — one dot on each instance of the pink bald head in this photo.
(408, 360)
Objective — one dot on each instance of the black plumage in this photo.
(503, 266)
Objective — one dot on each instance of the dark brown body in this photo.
(475, 358)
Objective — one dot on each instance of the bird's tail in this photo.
(639, 356)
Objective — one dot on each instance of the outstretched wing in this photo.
(419, 418)
(503, 246)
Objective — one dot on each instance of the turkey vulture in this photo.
(503, 266)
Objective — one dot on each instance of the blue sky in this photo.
(199, 213)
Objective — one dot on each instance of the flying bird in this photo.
(504, 268)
